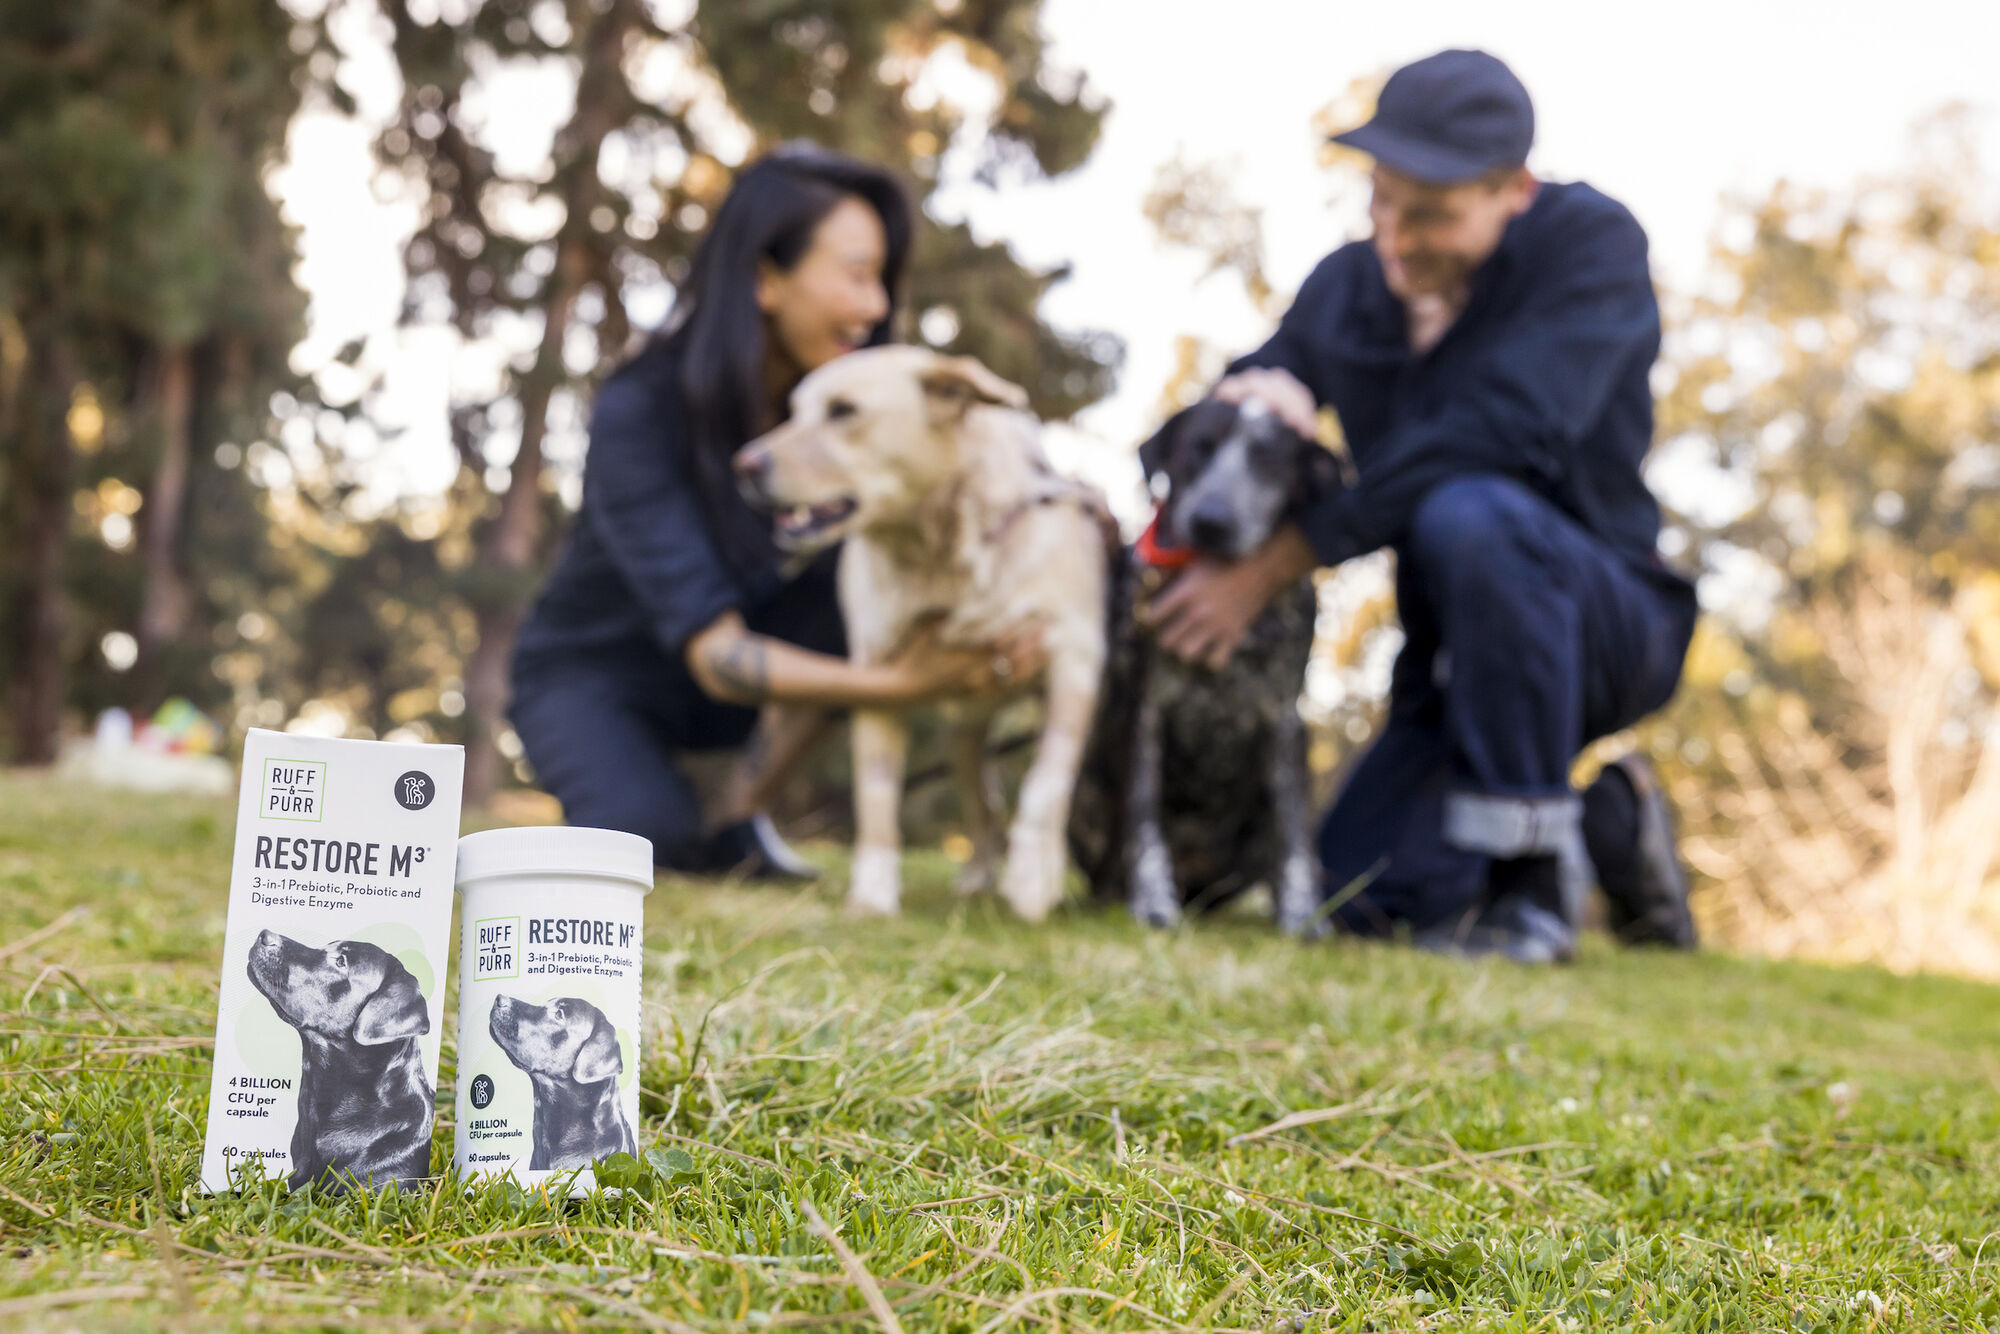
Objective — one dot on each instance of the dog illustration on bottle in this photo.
(365, 1105)
(569, 1051)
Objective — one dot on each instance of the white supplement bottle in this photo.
(551, 939)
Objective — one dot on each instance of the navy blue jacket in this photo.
(641, 573)
(1544, 377)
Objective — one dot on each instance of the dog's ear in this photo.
(1158, 447)
(396, 1010)
(953, 384)
(598, 1059)
(1322, 471)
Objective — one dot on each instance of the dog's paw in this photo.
(978, 876)
(1298, 900)
(876, 886)
(1156, 900)
(1156, 905)
(1310, 924)
(1032, 883)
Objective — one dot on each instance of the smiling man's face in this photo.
(1431, 238)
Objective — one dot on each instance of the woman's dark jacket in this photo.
(641, 573)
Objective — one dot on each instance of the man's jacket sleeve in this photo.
(1289, 348)
(638, 501)
(1522, 411)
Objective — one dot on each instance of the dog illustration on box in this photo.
(569, 1052)
(365, 1104)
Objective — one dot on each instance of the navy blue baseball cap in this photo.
(1449, 118)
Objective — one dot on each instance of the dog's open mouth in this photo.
(804, 525)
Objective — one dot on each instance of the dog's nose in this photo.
(1209, 532)
(753, 468)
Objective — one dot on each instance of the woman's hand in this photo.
(926, 669)
(735, 665)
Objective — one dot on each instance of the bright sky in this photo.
(1666, 114)
(1702, 97)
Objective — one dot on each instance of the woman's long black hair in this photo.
(718, 330)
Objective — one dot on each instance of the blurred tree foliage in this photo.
(1841, 374)
(1830, 434)
(146, 313)
(668, 100)
(164, 475)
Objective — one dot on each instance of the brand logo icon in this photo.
(493, 946)
(482, 1091)
(414, 790)
(294, 790)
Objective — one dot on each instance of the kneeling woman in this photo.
(671, 615)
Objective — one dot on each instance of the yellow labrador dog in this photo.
(932, 471)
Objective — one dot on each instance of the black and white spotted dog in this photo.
(1195, 784)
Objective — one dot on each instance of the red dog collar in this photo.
(1150, 552)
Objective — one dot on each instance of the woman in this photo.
(671, 616)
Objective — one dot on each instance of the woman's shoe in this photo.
(753, 849)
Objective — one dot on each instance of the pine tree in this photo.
(148, 303)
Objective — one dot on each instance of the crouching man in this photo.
(1487, 351)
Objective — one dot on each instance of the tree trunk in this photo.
(47, 468)
(507, 550)
(507, 558)
(166, 598)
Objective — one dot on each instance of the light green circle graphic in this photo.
(268, 1046)
(403, 941)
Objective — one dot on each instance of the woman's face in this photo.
(832, 299)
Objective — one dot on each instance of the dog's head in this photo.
(1232, 473)
(565, 1039)
(871, 435)
(349, 991)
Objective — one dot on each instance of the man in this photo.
(1487, 352)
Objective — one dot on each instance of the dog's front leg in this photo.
(979, 790)
(1298, 888)
(1037, 853)
(1152, 894)
(881, 741)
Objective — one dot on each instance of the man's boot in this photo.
(1534, 879)
(1629, 829)
(1524, 917)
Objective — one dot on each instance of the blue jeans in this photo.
(1527, 638)
(603, 738)
(604, 726)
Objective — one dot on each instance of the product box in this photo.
(333, 961)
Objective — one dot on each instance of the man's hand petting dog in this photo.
(1279, 390)
(1203, 614)
(930, 670)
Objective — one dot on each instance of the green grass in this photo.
(1078, 1126)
